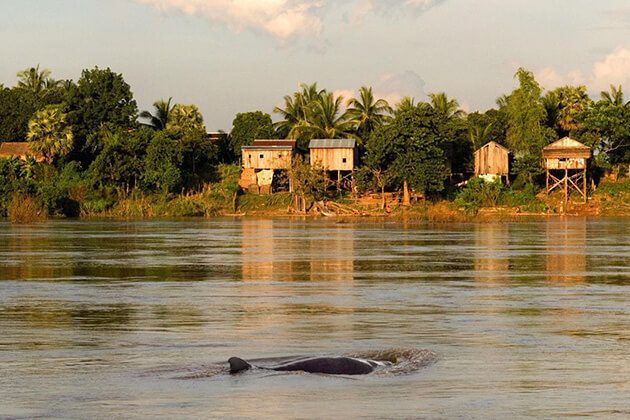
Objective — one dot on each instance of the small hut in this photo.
(565, 164)
(264, 159)
(492, 159)
(338, 157)
(19, 150)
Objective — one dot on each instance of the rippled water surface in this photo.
(121, 319)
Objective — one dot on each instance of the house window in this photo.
(250, 156)
(343, 160)
(262, 156)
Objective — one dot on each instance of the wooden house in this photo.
(492, 159)
(264, 159)
(565, 163)
(338, 157)
(19, 150)
(268, 154)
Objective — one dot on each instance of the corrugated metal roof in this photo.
(332, 144)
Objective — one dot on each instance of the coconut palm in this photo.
(479, 135)
(293, 116)
(326, 119)
(614, 97)
(445, 106)
(33, 79)
(296, 111)
(159, 118)
(49, 134)
(406, 103)
(367, 113)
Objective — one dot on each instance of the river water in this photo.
(102, 319)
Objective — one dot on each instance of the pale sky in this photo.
(229, 56)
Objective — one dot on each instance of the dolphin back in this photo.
(330, 365)
(238, 365)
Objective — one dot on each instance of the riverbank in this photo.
(610, 199)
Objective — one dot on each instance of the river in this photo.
(102, 319)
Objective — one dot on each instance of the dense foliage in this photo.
(99, 149)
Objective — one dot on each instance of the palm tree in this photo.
(159, 119)
(296, 111)
(479, 135)
(49, 134)
(33, 78)
(445, 106)
(614, 97)
(406, 103)
(367, 113)
(292, 116)
(325, 119)
(185, 117)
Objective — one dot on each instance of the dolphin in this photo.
(327, 365)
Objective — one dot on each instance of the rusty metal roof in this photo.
(274, 142)
(332, 144)
(17, 149)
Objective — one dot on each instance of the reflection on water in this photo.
(105, 318)
(269, 255)
(566, 251)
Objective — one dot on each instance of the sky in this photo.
(230, 56)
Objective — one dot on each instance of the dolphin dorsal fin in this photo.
(238, 365)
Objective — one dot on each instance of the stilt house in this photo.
(492, 159)
(565, 163)
(262, 161)
(338, 157)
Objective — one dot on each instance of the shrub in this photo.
(25, 209)
(479, 193)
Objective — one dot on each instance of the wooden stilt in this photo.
(547, 181)
(584, 186)
(566, 187)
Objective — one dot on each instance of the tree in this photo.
(185, 118)
(326, 119)
(607, 130)
(248, 126)
(296, 115)
(121, 162)
(407, 103)
(17, 106)
(410, 150)
(49, 133)
(199, 155)
(35, 79)
(159, 119)
(161, 164)
(565, 107)
(100, 97)
(368, 113)
(308, 181)
(614, 96)
(526, 133)
(445, 106)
